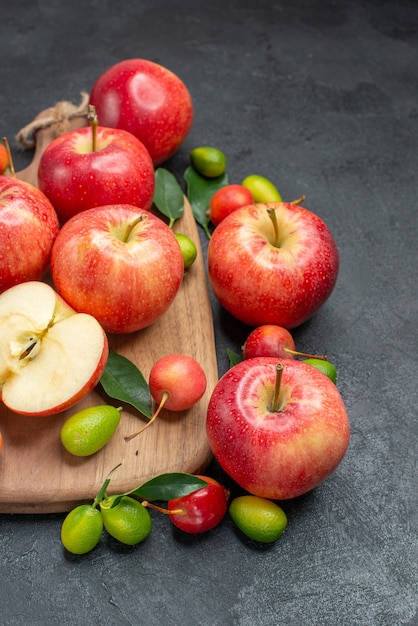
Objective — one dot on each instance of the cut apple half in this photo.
(50, 355)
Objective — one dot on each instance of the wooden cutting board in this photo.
(37, 475)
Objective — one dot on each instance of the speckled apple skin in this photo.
(284, 454)
(259, 283)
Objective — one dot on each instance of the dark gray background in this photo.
(321, 97)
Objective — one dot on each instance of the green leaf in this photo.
(234, 357)
(199, 192)
(168, 195)
(123, 381)
(168, 486)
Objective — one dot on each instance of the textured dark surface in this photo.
(321, 97)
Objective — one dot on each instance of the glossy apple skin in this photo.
(125, 285)
(278, 455)
(28, 228)
(203, 509)
(259, 283)
(182, 377)
(147, 100)
(76, 178)
(269, 340)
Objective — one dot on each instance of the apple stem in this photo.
(273, 217)
(164, 399)
(94, 122)
(155, 507)
(306, 355)
(9, 156)
(276, 396)
(131, 226)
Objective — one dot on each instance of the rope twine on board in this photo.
(59, 116)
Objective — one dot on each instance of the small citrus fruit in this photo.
(129, 521)
(261, 189)
(325, 367)
(81, 529)
(188, 249)
(208, 161)
(88, 430)
(258, 518)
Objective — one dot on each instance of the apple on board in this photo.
(148, 100)
(119, 263)
(28, 228)
(87, 167)
(50, 356)
(272, 263)
(278, 428)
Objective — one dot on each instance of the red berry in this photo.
(269, 340)
(226, 200)
(201, 510)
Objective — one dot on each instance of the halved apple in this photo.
(50, 355)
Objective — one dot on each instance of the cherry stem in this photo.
(9, 156)
(299, 200)
(276, 396)
(322, 357)
(273, 217)
(94, 122)
(155, 507)
(164, 399)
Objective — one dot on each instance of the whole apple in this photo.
(119, 263)
(77, 174)
(147, 100)
(50, 356)
(28, 228)
(278, 438)
(272, 263)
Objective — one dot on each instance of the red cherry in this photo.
(269, 340)
(226, 200)
(201, 510)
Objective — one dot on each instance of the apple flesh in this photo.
(77, 175)
(121, 264)
(273, 263)
(283, 451)
(147, 100)
(28, 228)
(50, 356)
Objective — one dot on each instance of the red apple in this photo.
(77, 175)
(147, 100)
(50, 356)
(272, 263)
(277, 441)
(119, 263)
(28, 227)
